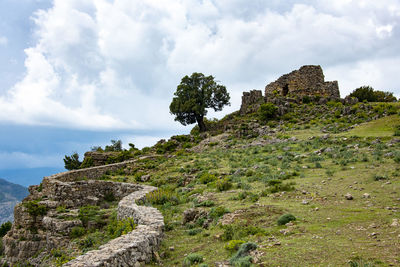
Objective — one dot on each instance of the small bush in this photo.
(241, 257)
(284, 219)
(192, 259)
(161, 197)
(380, 177)
(217, 212)
(223, 185)
(35, 209)
(206, 178)
(88, 213)
(87, 163)
(120, 227)
(77, 231)
(267, 111)
(4, 228)
(234, 245)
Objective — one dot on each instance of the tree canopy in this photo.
(194, 95)
(368, 94)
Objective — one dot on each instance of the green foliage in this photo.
(194, 95)
(192, 259)
(223, 185)
(206, 178)
(378, 177)
(397, 131)
(72, 162)
(4, 228)
(234, 245)
(161, 197)
(77, 231)
(267, 111)
(87, 163)
(116, 146)
(284, 219)
(241, 257)
(217, 212)
(89, 213)
(367, 93)
(60, 257)
(35, 209)
(120, 227)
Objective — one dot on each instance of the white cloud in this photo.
(115, 64)
(3, 40)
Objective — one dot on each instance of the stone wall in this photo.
(309, 80)
(135, 248)
(74, 189)
(251, 101)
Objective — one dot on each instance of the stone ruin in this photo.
(308, 81)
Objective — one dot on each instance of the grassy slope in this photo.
(329, 231)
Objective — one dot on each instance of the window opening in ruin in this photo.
(285, 90)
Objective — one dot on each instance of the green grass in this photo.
(383, 127)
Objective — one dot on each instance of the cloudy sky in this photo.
(78, 73)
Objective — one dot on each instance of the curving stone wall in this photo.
(74, 189)
(134, 248)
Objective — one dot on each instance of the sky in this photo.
(78, 73)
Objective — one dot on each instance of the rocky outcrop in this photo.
(40, 231)
(251, 101)
(309, 80)
(99, 158)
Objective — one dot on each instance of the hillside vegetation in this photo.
(334, 168)
(318, 186)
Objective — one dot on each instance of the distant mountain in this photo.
(10, 195)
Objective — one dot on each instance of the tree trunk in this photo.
(201, 124)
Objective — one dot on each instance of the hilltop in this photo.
(296, 177)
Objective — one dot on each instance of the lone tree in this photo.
(194, 95)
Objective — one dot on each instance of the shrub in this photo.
(378, 177)
(241, 256)
(87, 163)
(217, 212)
(367, 93)
(191, 259)
(72, 162)
(35, 209)
(223, 185)
(77, 231)
(120, 227)
(161, 196)
(116, 145)
(206, 178)
(267, 111)
(4, 228)
(284, 219)
(234, 245)
(88, 213)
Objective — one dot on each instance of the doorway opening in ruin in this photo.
(285, 90)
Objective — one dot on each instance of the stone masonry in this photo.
(72, 190)
(309, 80)
(251, 101)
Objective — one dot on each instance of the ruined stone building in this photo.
(309, 81)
